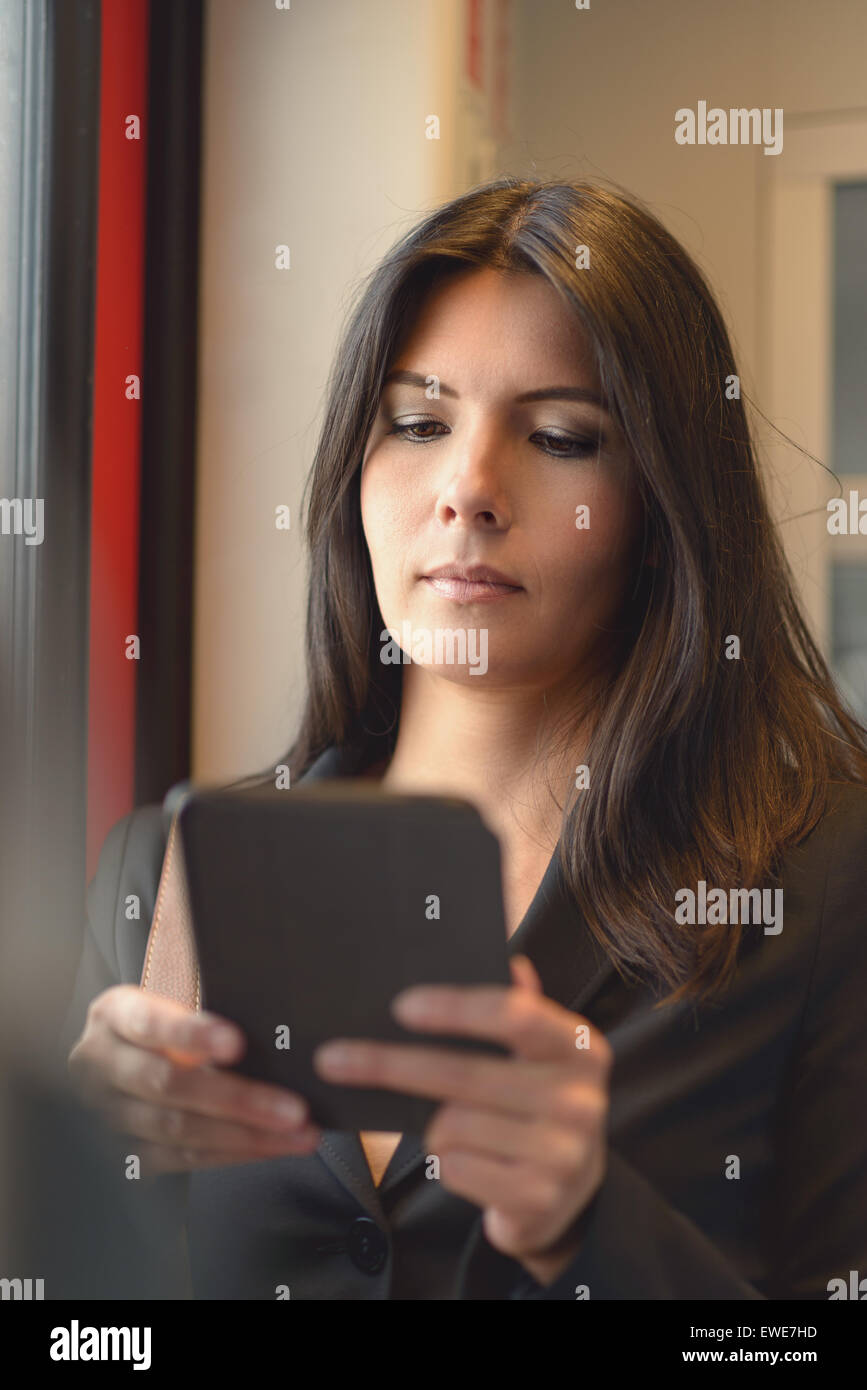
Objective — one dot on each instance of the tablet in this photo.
(313, 907)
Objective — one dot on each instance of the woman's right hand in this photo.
(151, 1066)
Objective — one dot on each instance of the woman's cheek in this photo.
(389, 509)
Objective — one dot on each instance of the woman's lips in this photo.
(470, 591)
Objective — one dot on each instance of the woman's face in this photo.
(482, 475)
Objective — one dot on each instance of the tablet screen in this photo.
(312, 908)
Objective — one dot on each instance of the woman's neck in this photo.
(489, 748)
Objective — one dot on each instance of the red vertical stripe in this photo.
(116, 419)
(502, 60)
(474, 20)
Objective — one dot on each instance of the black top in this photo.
(737, 1163)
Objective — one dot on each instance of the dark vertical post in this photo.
(169, 414)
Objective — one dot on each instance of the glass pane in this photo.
(849, 331)
(849, 628)
(849, 455)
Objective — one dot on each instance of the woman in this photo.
(537, 393)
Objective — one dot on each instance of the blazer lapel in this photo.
(341, 1152)
(555, 935)
(571, 965)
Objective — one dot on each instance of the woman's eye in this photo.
(556, 445)
(403, 430)
(568, 445)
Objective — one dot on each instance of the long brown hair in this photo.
(701, 767)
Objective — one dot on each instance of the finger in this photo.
(185, 1129)
(161, 1024)
(524, 973)
(556, 1143)
(157, 1159)
(440, 1073)
(528, 1023)
(491, 1182)
(148, 1076)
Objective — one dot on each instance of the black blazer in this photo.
(775, 1078)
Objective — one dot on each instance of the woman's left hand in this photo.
(524, 1137)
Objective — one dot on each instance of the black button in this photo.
(368, 1247)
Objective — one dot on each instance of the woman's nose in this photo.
(474, 485)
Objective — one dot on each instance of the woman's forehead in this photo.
(485, 325)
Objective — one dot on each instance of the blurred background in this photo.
(190, 191)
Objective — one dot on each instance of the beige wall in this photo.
(595, 95)
(314, 137)
(596, 92)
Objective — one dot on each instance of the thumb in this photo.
(524, 973)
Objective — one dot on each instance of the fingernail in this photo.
(285, 1108)
(223, 1042)
(333, 1056)
(412, 1004)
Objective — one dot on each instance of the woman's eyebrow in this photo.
(542, 393)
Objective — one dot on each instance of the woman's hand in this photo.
(149, 1065)
(523, 1137)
